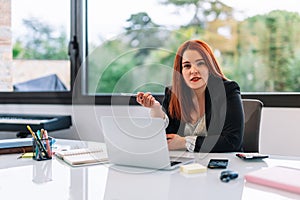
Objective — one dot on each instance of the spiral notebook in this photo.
(83, 156)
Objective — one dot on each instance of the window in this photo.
(133, 49)
(34, 60)
(90, 51)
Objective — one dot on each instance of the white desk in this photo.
(53, 179)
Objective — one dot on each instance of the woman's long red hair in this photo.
(181, 103)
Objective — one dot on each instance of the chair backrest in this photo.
(252, 113)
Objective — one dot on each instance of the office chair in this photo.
(252, 113)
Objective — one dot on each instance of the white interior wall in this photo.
(280, 133)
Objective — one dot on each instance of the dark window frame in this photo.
(269, 100)
(78, 51)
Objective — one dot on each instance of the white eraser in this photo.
(193, 168)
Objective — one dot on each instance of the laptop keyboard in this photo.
(174, 163)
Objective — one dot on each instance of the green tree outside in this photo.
(41, 42)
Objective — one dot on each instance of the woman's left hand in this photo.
(175, 142)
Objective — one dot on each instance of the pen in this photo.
(38, 152)
(128, 94)
(38, 141)
(34, 137)
(39, 134)
(32, 133)
(45, 136)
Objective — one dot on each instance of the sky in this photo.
(112, 14)
(53, 12)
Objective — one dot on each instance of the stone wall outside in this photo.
(5, 46)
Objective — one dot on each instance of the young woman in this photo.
(202, 107)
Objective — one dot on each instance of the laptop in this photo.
(139, 142)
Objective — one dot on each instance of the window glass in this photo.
(34, 38)
(132, 49)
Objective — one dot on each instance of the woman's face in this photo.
(194, 70)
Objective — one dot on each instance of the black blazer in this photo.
(224, 117)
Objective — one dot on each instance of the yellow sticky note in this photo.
(27, 155)
(193, 168)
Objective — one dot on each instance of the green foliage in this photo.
(143, 34)
(204, 10)
(143, 51)
(263, 54)
(41, 42)
(294, 78)
(268, 55)
(264, 58)
(17, 49)
(107, 63)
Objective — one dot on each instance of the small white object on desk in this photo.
(193, 168)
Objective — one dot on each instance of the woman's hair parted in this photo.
(181, 103)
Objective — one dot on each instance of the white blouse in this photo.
(191, 131)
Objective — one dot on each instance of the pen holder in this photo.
(42, 172)
(42, 149)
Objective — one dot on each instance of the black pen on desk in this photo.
(38, 141)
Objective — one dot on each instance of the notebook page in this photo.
(61, 154)
(87, 158)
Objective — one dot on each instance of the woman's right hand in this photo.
(147, 100)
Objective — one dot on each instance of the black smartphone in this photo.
(218, 163)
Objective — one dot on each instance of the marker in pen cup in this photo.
(38, 146)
